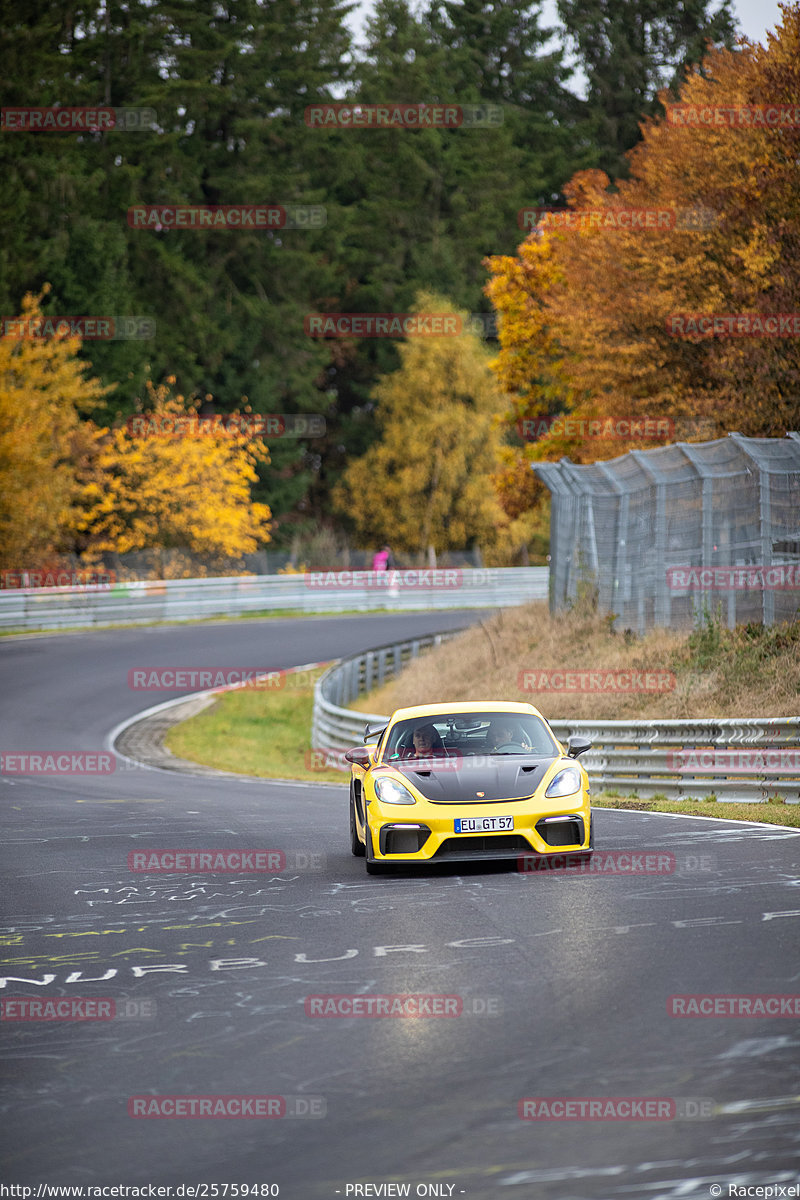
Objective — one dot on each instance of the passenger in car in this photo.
(506, 733)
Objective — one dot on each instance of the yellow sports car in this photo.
(464, 782)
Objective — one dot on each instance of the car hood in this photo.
(501, 777)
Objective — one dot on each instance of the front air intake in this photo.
(561, 831)
(403, 839)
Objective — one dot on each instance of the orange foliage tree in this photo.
(586, 304)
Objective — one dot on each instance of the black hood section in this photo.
(499, 777)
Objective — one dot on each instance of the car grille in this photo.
(496, 843)
(477, 799)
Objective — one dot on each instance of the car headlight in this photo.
(564, 783)
(389, 791)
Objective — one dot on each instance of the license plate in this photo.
(483, 824)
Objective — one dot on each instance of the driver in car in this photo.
(427, 741)
(507, 733)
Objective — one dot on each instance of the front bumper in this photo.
(429, 836)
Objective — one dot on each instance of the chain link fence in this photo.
(664, 536)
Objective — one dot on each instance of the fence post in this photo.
(764, 526)
(700, 598)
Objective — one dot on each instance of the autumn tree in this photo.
(44, 386)
(425, 482)
(592, 299)
(528, 365)
(170, 480)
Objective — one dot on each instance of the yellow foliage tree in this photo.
(426, 481)
(186, 489)
(528, 366)
(43, 388)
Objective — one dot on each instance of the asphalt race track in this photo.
(561, 981)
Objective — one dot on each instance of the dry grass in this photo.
(749, 671)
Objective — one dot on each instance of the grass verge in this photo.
(256, 733)
(768, 812)
(710, 671)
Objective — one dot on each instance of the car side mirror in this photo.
(359, 755)
(578, 745)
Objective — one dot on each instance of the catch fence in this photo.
(667, 535)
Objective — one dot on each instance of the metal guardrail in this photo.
(335, 727)
(672, 758)
(316, 592)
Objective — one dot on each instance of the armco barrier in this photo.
(627, 756)
(317, 592)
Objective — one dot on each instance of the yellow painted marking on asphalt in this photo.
(291, 1042)
(144, 929)
(282, 937)
(94, 932)
(122, 800)
(135, 950)
(209, 925)
(454, 1172)
(78, 956)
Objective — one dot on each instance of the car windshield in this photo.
(467, 734)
